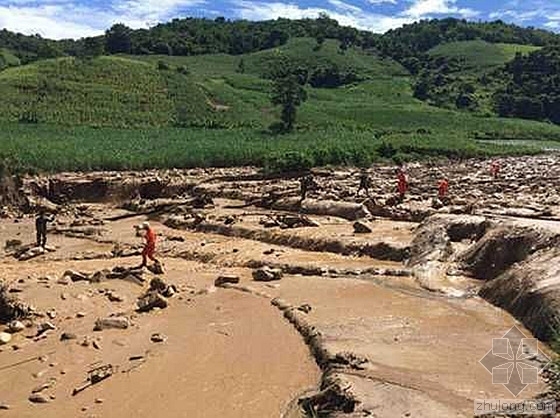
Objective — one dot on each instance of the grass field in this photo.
(129, 113)
(480, 55)
(54, 148)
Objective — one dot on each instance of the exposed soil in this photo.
(386, 323)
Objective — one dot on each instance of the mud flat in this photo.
(311, 311)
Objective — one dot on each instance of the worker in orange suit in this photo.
(402, 183)
(443, 188)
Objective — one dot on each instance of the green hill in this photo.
(139, 111)
(480, 55)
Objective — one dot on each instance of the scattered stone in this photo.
(38, 398)
(111, 323)
(46, 326)
(362, 228)
(15, 327)
(66, 336)
(80, 315)
(269, 252)
(267, 274)
(114, 297)
(13, 244)
(99, 276)
(151, 300)
(5, 338)
(99, 400)
(305, 308)
(156, 268)
(230, 279)
(76, 276)
(158, 338)
(44, 386)
(51, 313)
(30, 253)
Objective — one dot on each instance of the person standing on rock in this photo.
(305, 184)
(150, 246)
(443, 188)
(402, 183)
(365, 182)
(41, 222)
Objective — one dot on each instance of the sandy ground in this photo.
(230, 353)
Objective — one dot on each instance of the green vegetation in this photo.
(480, 55)
(7, 59)
(54, 148)
(138, 110)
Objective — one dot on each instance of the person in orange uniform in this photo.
(150, 247)
(443, 188)
(495, 169)
(402, 183)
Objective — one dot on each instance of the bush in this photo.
(162, 65)
(289, 162)
(181, 69)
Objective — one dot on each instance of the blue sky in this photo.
(77, 18)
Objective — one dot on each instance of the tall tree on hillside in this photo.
(288, 92)
(118, 39)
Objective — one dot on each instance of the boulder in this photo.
(15, 326)
(118, 322)
(267, 274)
(38, 398)
(229, 279)
(151, 300)
(76, 276)
(5, 338)
(66, 336)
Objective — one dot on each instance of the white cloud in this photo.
(59, 19)
(52, 21)
(426, 8)
(340, 5)
(256, 10)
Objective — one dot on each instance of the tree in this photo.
(241, 66)
(93, 47)
(289, 93)
(118, 39)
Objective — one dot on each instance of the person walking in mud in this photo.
(150, 246)
(495, 168)
(41, 222)
(402, 183)
(365, 182)
(443, 189)
(306, 183)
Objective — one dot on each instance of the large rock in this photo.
(15, 326)
(118, 322)
(38, 398)
(226, 279)
(267, 274)
(152, 300)
(76, 276)
(5, 338)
